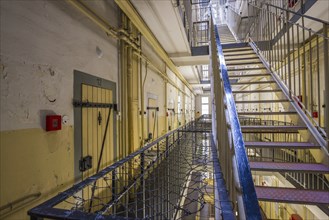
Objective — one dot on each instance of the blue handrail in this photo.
(250, 202)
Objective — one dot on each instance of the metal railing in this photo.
(124, 189)
(228, 136)
(297, 54)
(200, 26)
(169, 178)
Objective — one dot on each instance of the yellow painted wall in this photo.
(33, 160)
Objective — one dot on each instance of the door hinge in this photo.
(85, 163)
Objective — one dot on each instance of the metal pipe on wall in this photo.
(131, 12)
(141, 94)
(142, 99)
(129, 90)
(166, 105)
(162, 74)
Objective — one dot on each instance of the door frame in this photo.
(85, 78)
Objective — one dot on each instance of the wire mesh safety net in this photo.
(172, 179)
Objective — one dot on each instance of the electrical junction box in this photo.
(53, 122)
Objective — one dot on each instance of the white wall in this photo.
(42, 42)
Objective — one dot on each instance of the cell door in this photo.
(97, 129)
(97, 141)
(95, 116)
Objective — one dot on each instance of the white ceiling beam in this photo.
(190, 60)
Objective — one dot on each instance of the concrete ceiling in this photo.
(190, 73)
(320, 9)
(165, 22)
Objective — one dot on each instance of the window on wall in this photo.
(205, 105)
(205, 72)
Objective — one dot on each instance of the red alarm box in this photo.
(295, 217)
(300, 97)
(53, 122)
(315, 114)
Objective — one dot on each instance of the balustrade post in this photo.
(114, 189)
(326, 73)
(143, 182)
(288, 54)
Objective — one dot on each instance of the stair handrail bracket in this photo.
(228, 136)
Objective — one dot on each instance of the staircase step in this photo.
(289, 167)
(250, 75)
(245, 63)
(258, 91)
(292, 195)
(262, 101)
(237, 49)
(245, 58)
(281, 145)
(267, 113)
(240, 54)
(256, 82)
(271, 129)
(246, 69)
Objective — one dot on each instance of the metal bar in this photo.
(293, 58)
(285, 51)
(281, 48)
(11, 206)
(318, 79)
(94, 105)
(277, 42)
(113, 188)
(299, 64)
(311, 70)
(142, 182)
(288, 54)
(304, 68)
(326, 88)
(152, 108)
(270, 31)
(100, 159)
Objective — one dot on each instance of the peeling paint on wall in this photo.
(41, 45)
